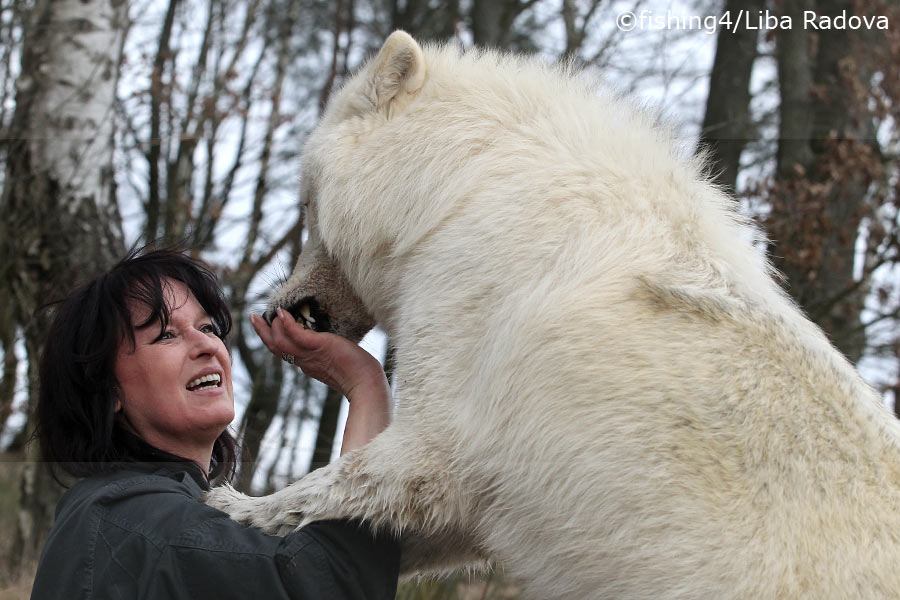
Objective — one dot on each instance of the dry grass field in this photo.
(13, 585)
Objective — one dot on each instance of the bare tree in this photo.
(828, 160)
(218, 108)
(492, 21)
(11, 16)
(61, 219)
(576, 25)
(426, 20)
(727, 123)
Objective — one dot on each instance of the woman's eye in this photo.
(208, 328)
(165, 335)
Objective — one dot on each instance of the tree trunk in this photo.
(8, 378)
(157, 97)
(268, 378)
(488, 18)
(328, 422)
(434, 20)
(61, 223)
(827, 158)
(726, 126)
(795, 84)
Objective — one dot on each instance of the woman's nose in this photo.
(203, 343)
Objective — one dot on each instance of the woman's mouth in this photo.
(213, 380)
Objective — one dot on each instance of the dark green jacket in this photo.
(142, 533)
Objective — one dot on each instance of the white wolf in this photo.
(600, 384)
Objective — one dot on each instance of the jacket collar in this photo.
(150, 459)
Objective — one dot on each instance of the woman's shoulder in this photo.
(153, 528)
(131, 481)
(141, 498)
(117, 524)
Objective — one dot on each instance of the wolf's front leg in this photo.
(277, 513)
(396, 482)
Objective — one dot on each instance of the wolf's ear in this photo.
(398, 70)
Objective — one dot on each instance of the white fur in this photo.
(600, 383)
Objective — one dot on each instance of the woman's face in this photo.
(175, 387)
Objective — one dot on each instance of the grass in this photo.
(16, 585)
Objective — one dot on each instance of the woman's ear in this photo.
(117, 407)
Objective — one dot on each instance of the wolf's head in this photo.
(319, 293)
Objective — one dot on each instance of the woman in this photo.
(135, 397)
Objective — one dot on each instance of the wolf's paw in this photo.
(262, 512)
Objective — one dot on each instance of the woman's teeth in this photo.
(207, 381)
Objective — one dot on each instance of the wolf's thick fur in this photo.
(600, 383)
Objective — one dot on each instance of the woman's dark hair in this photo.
(76, 424)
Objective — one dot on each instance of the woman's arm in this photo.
(340, 364)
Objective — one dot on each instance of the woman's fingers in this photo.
(312, 351)
(264, 332)
(332, 359)
(283, 335)
(294, 333)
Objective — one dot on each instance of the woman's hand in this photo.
(340, 364)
